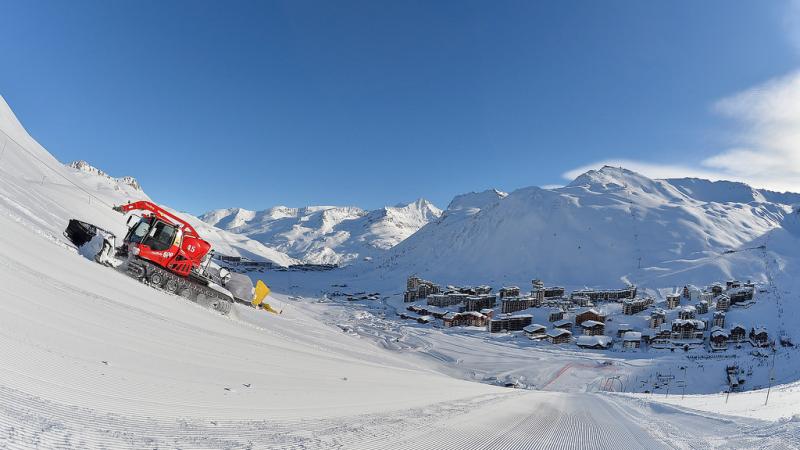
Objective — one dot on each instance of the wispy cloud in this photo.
(765, 153)
(791, 22)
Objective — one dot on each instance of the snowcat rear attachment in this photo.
(79, 233)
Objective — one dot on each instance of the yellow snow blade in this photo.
(269, 308)
(262, 291)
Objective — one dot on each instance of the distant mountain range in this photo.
(607, 227)
(327, 234)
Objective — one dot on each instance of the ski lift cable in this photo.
(56, 171)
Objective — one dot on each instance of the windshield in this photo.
(162, 237)
(139, 231)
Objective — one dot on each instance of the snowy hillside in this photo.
(607, 226)
(327, 234)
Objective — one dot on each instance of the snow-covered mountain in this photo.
(327, 234)
(607, 226)
(82, 167)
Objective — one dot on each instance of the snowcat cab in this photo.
(164, 239)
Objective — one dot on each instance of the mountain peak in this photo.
(475, 200)
(85, 167)
(609, 176)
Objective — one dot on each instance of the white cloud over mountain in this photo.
(765, 153)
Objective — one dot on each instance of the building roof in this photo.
(556, 332)
(632, 336)
(591, 324)
(593, 341)
(562, 322)
(719, 331)
(534, 327)
(698, 324)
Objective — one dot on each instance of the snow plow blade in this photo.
(261, 292)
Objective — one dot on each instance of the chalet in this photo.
(535, 331)
(687, 313)
(581, 300)
(673, 301)
(509, 291)
(738, 333)
(537, 284)
(718, 339)
(740, 294)
(622, 329)
(663, 332)
(559, 336)
(716, 289)
(632, 339)
(706, 297)
(722, 302)
(417, 288)
(555, 315)
(702, 307)
(636, 305)
(434, 311)
(657, 318)
(759, 337)
(719, 319)
(594, 342)
(424, 319)
(733, 284)
(465, 319)
(590, 314)
(687, 329)
(509, 323)
(563, 324)
(514, 304)
(593, 328)
(488, 312)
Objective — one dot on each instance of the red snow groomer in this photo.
(167, 252)
(164, 239)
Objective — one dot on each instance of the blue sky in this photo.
(254, 104)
